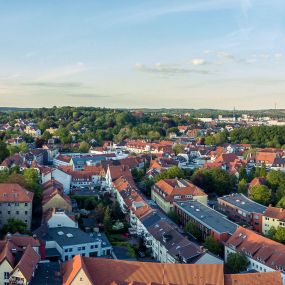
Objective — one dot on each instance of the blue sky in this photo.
(190, 54)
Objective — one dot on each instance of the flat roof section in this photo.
(244, 203)
(208, 216)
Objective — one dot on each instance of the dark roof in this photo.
(47, 273)
(244, 203)
(78, 237)
(208, 217)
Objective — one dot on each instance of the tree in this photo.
(214, 180)
(31, 178)
(280, 235)
(212, 245)
(277, 234)
(170, 173)
(107, 221)
(100, 212)
(84, 147)
(210, 140)
(275, 178)
(46, 136)
(4, 174)
(242, 186)
(260, 194)
(237, 262)
(4, 152)
(23, 147)
(243, 173)
(280, 193)
(14, 226)
(281, 203)
(116, 210)
(178, 148)
(251, 174)
(193, 230)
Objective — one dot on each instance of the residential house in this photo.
(242, 210)
(98, 271)
(55, 198)
(25, 269)
(209, 221)
(273, 218)
(15, 203)
(167, 191)
(65, 242)
(263, 254)
(15, 251)
(56, 218)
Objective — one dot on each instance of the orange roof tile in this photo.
(107, 271)
(15, 193)
(271, 253)
(28, 262)
(264, 278)
(275, 213)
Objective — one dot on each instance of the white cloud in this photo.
(198, 61)
(167, 69)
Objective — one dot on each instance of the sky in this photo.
(143, 53)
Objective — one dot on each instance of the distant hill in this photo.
(15, 109)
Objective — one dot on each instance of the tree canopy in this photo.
(237, 262)
(214, 180)
(260, 194)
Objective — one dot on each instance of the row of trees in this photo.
(96, 123)
(262, 136)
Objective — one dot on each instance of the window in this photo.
(17, 204)
(83, 247)
(26, 212)
(9, 204)
(79, 248)
(26, 204)
(70, 249)
(6, 275)
(9, 212)
(17, 212)
(66, 250)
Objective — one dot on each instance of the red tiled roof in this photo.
(264, 278)
(64, 158)
(257, 181)
(6, 252)
(23, 240)
(275, 213)
(171, 187)
(107, 272)
(15, 193)
(267, 157)
(270, 252)
(28, 262)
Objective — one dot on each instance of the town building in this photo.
(273, 218)
(209, 221)
(242, 210)
(98, 271)
(65, 242)
(18, 259)
(167, 191)
(263, 254)
(15, 203)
